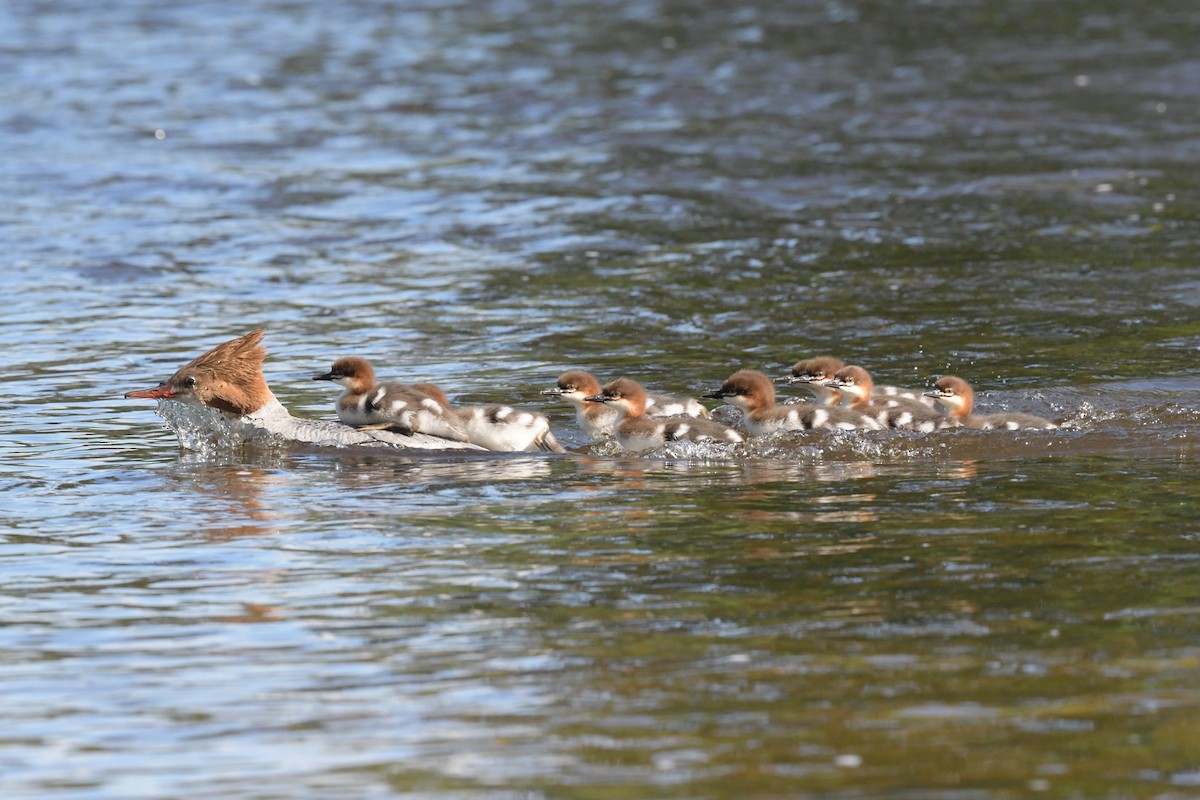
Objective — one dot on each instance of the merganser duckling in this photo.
(598, 420)
(638, 433)
(856, 386)
(369, 405)
(500, 428)
(958, 398)
(229, 378)
(753, 393)
(815, 373)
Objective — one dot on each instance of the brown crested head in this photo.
(576, 382)
(747, 387)
(353, 372)
(229, 377)
(819, 369)
(955, 394)
(625, 394)
(433, 391)
(855, 380)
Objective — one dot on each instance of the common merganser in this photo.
(500, 428)
(815, 373)
(388, 406)
(856, 386)
(753, 393)
(598, 420)
(958, 398)
(229, 378)
(638, 433)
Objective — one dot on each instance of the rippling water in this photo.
(484, 195)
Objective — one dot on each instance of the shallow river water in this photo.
(486, 194)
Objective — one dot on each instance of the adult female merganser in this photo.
(229, 378)
(638, 433)
(501, 428)
(815, 373)
(958, 398)
(753, 393)
(856, 386)
(598, 420)
(389, 406)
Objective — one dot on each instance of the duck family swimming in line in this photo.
(229, 378)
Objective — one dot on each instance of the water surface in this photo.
(486, 195)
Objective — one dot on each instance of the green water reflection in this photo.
(1003, 627)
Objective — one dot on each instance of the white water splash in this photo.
(208, 431)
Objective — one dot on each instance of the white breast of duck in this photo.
(595, 419)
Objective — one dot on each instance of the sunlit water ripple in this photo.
(486, 196)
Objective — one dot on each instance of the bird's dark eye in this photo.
(190, 382)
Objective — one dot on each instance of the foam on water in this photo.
(208, 431)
